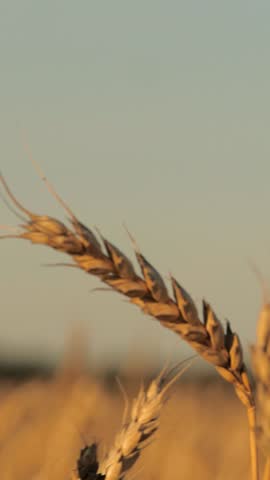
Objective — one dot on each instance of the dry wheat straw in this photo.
(261, 366)
(221, 348)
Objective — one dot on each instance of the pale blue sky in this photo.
(152, 112)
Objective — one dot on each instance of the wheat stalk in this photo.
(220, 348)
(261, 366)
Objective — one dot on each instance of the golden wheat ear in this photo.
(222, 348)
(148, 291)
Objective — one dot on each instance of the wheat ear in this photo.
(221, 348)
(134, 434)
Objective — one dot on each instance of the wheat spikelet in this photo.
(221, 348)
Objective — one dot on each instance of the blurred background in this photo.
(153, 113)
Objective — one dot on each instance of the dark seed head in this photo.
(88, 465)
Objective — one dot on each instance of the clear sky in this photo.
(153, 112)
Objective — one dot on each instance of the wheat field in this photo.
(45, 423)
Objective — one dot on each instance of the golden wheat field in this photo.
(45, 423)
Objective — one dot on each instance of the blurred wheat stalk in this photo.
(261, 367)
(221, 348)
